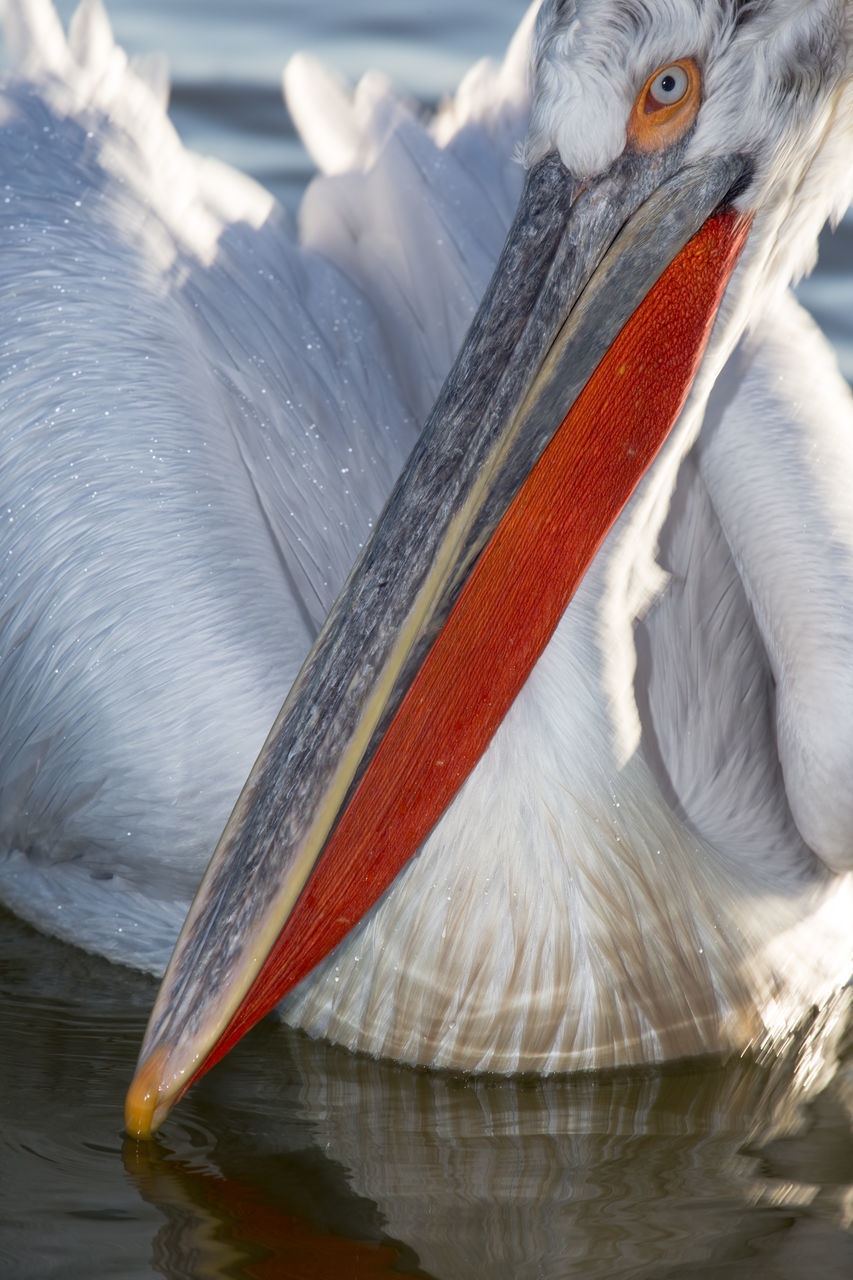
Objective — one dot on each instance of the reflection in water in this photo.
(296, 1159)
(542, 1178)
(221, 1226)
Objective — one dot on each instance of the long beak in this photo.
(574, 370)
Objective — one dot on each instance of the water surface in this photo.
(298, 1159)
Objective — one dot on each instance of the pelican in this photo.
(562, 782)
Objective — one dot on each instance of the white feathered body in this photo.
(200, 417)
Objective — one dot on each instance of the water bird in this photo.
(490, 829)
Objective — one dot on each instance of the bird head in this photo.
(764, 79)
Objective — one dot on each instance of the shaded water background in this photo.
(295, 1159)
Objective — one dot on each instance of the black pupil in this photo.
(668, 83)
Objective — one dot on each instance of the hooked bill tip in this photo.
(143, 1110)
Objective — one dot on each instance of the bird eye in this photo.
(666, 106)
(668, 87)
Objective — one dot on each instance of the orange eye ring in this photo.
(666, 106)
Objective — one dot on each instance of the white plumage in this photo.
(201, 418)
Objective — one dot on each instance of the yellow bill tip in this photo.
(145, 1109)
